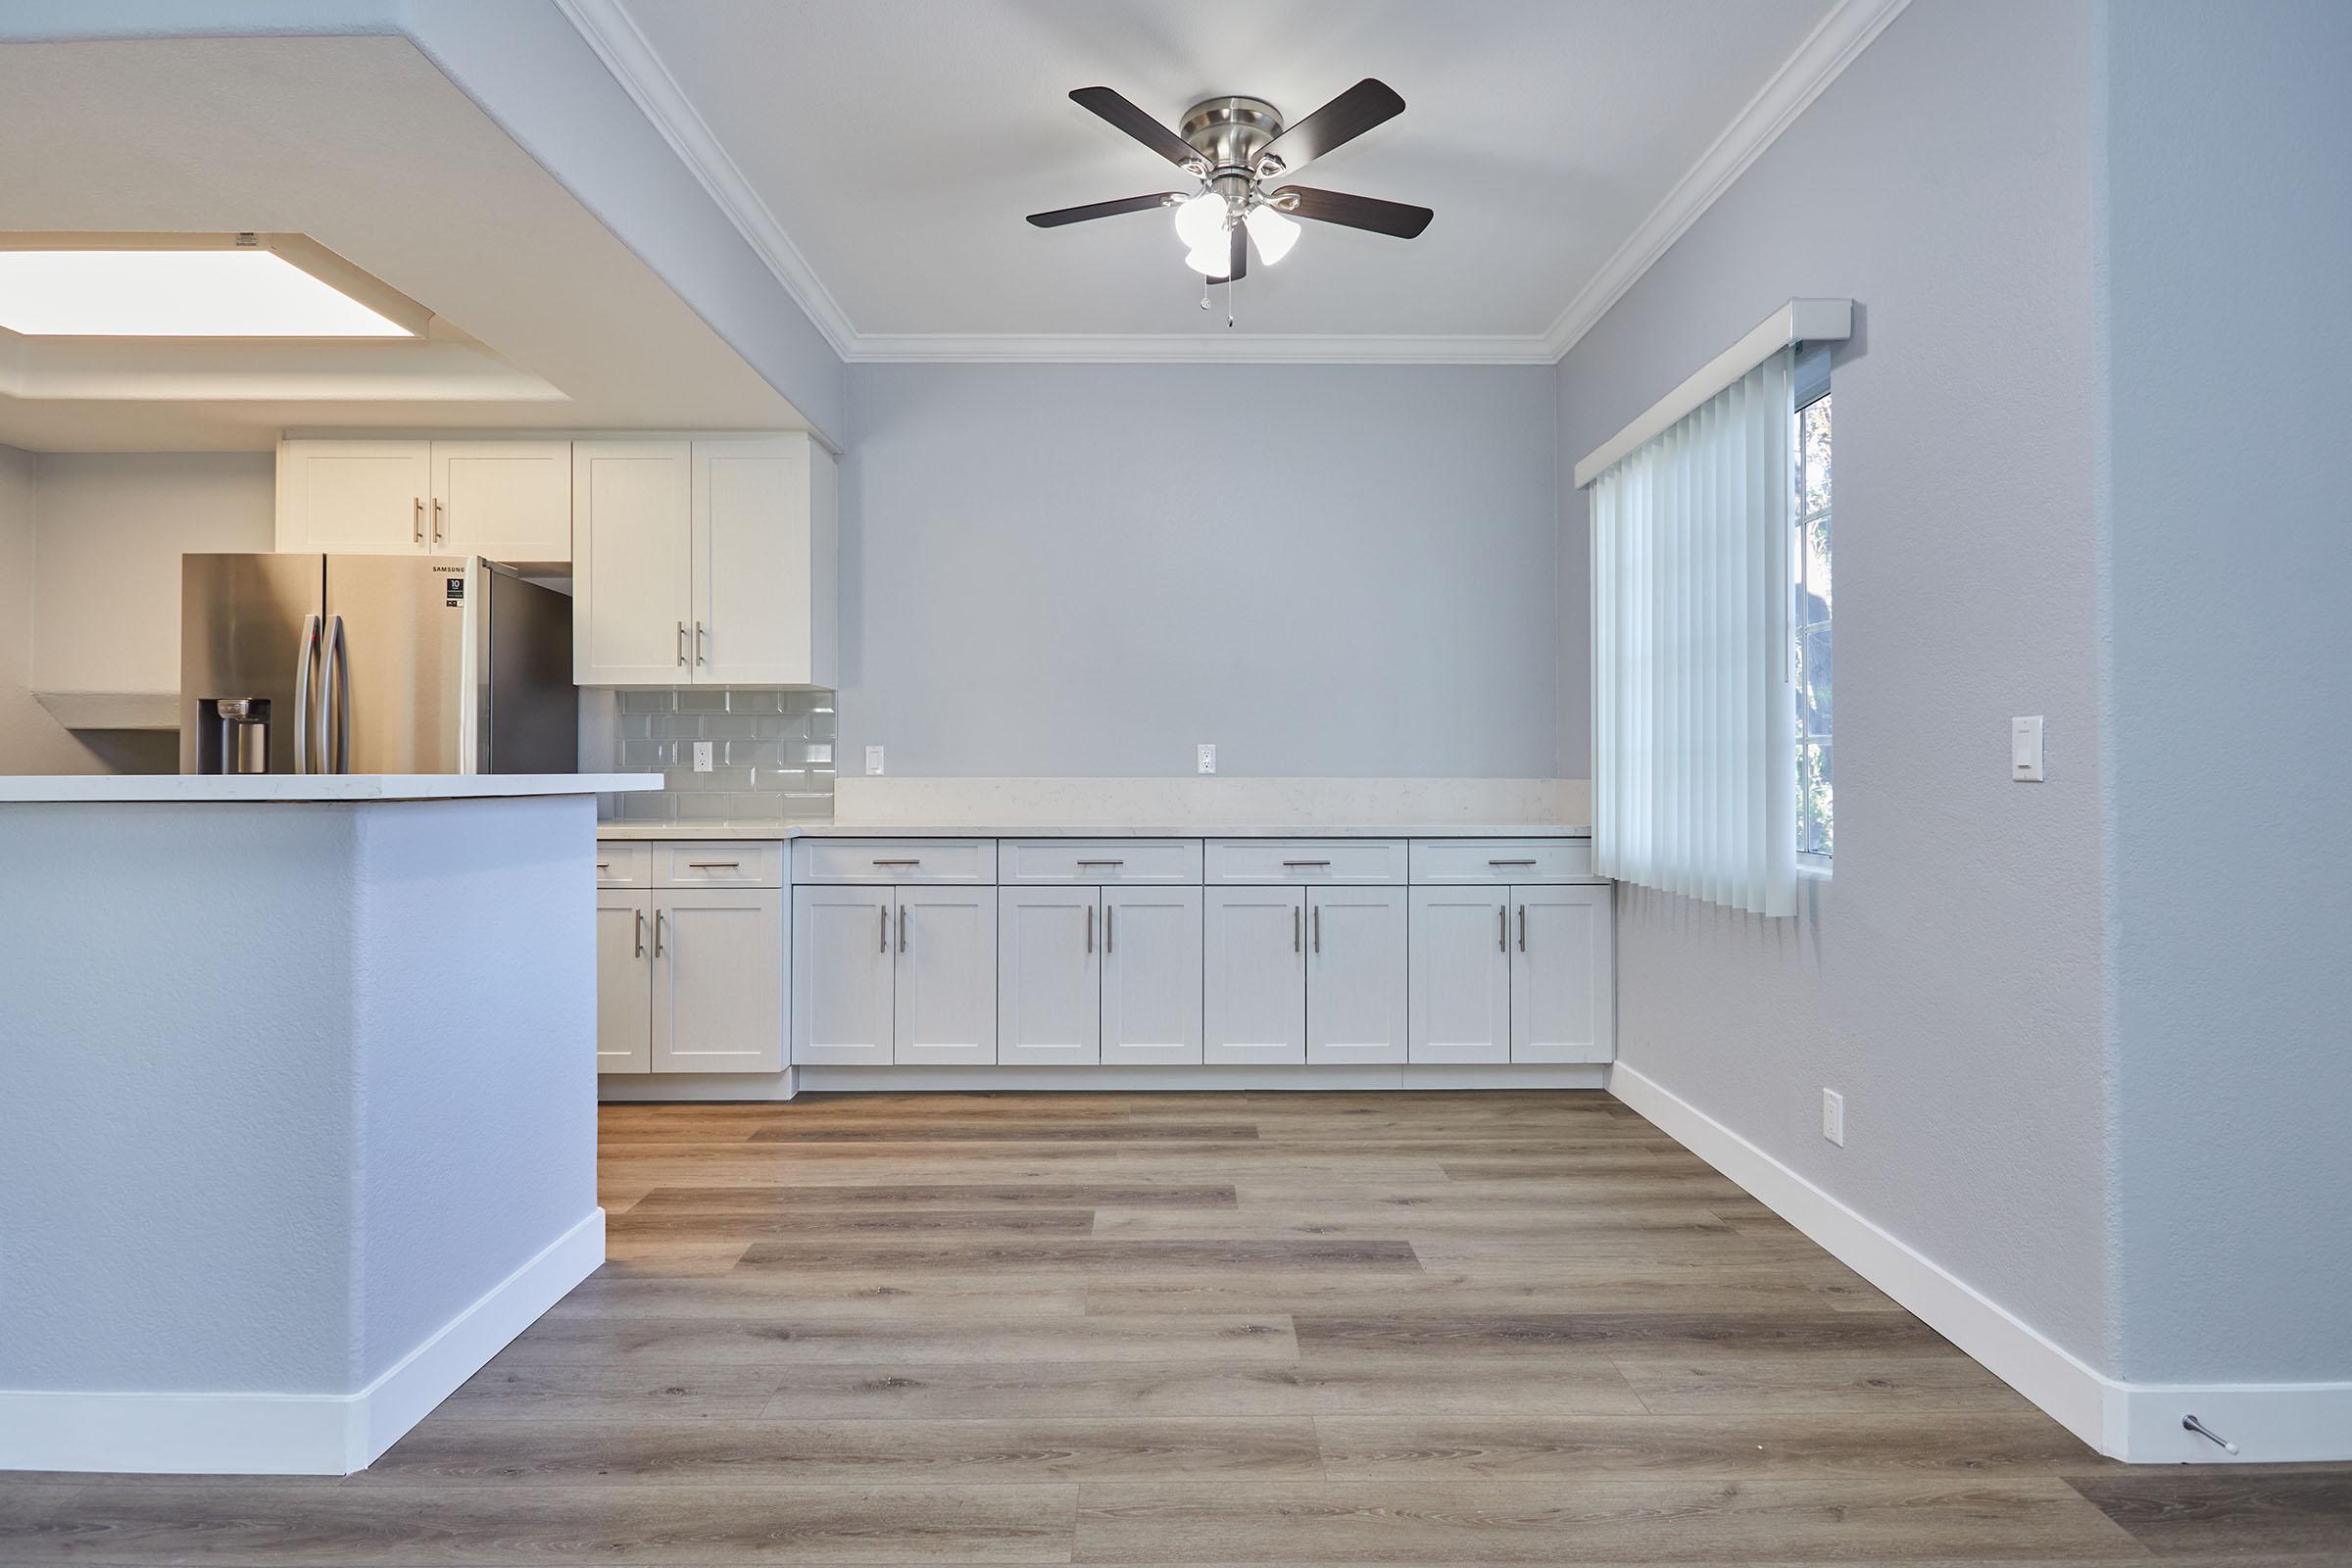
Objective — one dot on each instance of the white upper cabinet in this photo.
(355, 497)
(508, 500)
(632, 583)
(763, 562)
(1254, 986)
(1152, 976)
(1460, 994)
(703, 563)
(1355, 974)
(1049, 976)
(1563, 967)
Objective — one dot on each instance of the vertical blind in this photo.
(1693, 721)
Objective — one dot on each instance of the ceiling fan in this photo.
(1234, 148)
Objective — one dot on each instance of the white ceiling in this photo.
(546, 321)
(883, 154)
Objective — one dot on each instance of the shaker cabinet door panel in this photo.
(355, 497)
(508, 500)
(1460, 994)
(1254, 992)
(945, 942)
(1150, 976)
(1049, 976)
(625, 986)
(718, 982)
(764, 573)
(1563, 974)
(843, 968)
(1355, 974)
(633, 566)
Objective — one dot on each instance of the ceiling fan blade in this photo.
(1356, 211)
(1135, 122)
(1368, 103)
(1079, 214)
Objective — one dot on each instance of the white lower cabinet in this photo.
(1049, 976)
(1152, 976)
(1563, 965)
(1461, 975)
(844, 973)
(1355, 974)
(947, 977)
(1254, 993)
(719, 981)
(624, 985)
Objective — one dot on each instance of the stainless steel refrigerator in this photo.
(305, 663)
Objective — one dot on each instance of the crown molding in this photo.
(1168, 348)
(631, 59)
(1827, 51)
(1832, 47)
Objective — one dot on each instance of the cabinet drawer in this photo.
(1449, 860)
(1172, 862)
(963, 860)
(719, 863)
(1305, 861)
(622, 864)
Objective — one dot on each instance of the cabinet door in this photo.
(1152, 976)
(718, 982)
(1049, 976)
(355, 497)
(842, 972)
(947, 991)
(1460, 996)
(633, 579)
(1253, 990)
(624, 985)
(1355, 974)
(508, 500)
(763, 569)
(1563, 974)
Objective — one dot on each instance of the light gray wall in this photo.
(1086, 570)
(30, 741)
(2230, 268)
(1949, 979)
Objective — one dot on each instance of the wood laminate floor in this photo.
(1332, 1328)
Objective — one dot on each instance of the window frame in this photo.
(1810, 386)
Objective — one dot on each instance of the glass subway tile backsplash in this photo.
(771, 755)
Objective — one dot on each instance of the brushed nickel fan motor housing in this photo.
(1230, 133)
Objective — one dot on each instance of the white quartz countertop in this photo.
(1092, 830)
(266, 788)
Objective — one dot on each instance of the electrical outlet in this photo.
(701, 755)
(1205, 759)
(1833, 1116)
(874, 761)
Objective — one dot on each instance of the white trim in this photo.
(1820, 60)
(1797, 321)
(624, 1088)
(291, 1433)
(631, 59)
(973, 1080)
(2270, 1423)
(1834, 45)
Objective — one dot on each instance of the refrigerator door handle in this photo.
(334, 707)
(306, 655)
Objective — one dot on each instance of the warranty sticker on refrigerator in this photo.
(457, 590)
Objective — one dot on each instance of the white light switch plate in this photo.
(1833, 1116)
(873, 761)
(1205, 759)
(701, 755)
(2025, 748)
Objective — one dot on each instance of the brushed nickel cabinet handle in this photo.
(1294, 864)
(697, 644)
(1502, 928)
(1107, 911)
(714, 866)
(420, 524)
(897, 862)
(604, 866)
(1318, 928)
(1090, 929)
(1528, 861)
(436, 519)
(681, 642)
(658, 915)
(639, 952)
(902, 928)
(1294, 925)
(884, 912)
(1101, 862)
(1523, 928)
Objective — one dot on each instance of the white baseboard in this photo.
(979, 1080)
(2135, 1422)
(291, 1433)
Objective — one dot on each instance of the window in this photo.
(1809, 626)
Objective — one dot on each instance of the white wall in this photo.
(1949, 979)
(1086, 570)
(30, 741)
(106, 581)
(2230, 266)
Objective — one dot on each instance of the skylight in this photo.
(176, 293)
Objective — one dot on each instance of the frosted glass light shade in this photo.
(1273, 233)
(1210, 261)
(1201, 222)
(176, 293)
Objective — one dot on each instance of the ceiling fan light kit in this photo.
(1234, 147)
